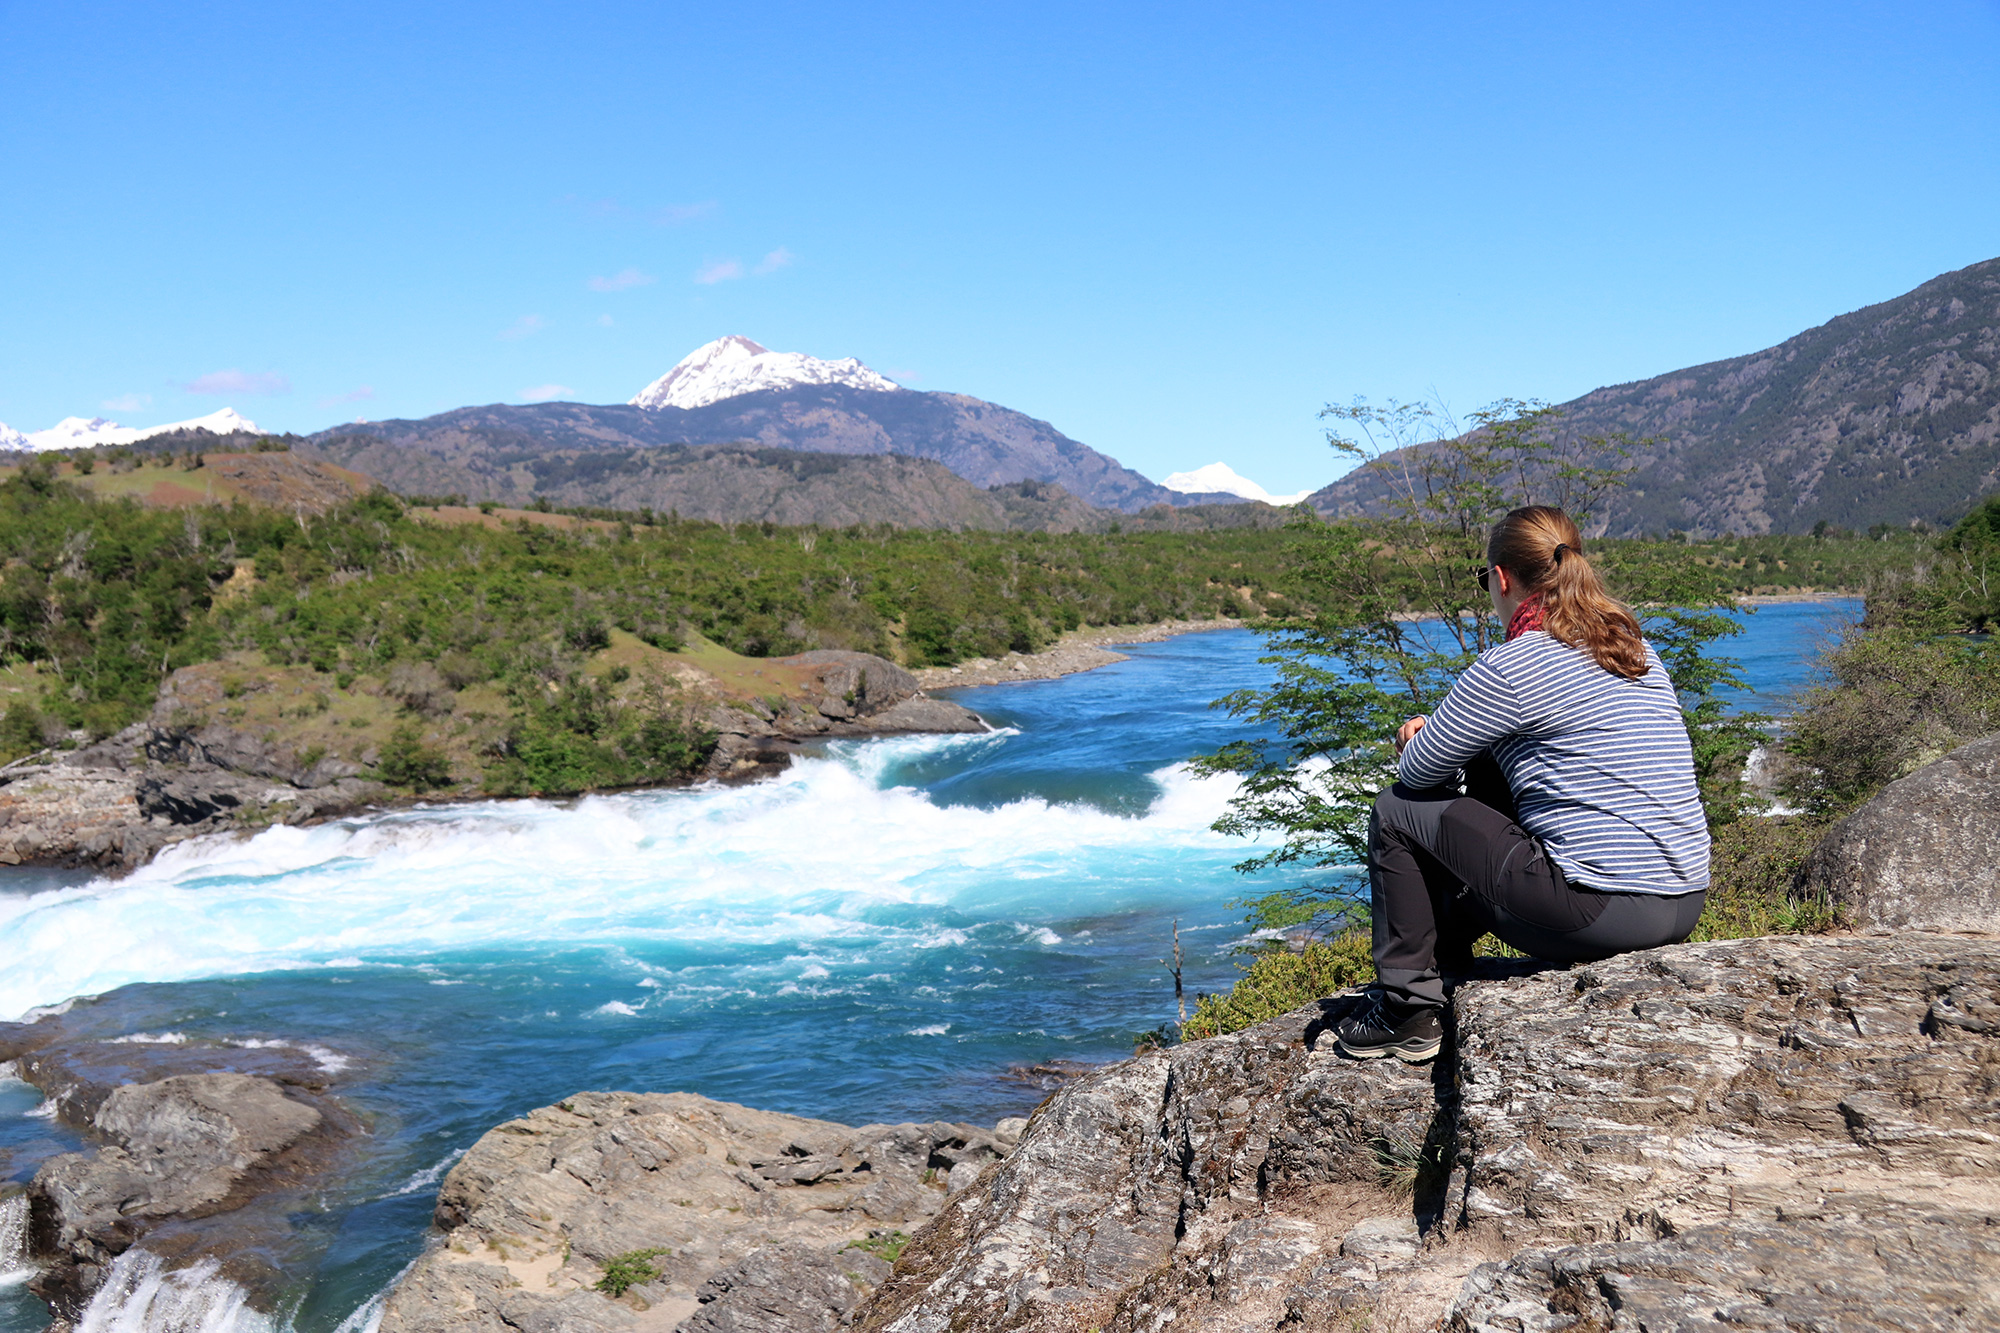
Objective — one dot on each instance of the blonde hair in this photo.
(1541, 547)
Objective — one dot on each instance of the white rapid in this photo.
(820, 852)
(142, 1295)
(14, 1265)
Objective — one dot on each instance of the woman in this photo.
(1596, 843)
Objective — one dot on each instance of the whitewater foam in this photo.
(15, 1265)
(429, 1176)
(823, 852)
(142, 1295)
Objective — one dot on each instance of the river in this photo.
(882, 933)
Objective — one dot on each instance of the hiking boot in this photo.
(1411, 1034)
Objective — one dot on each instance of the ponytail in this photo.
(1542, 548)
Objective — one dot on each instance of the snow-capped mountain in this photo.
(89, 432)
(1222, 477)
(12, 439)
(732, 366)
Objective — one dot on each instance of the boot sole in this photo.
(1410, 1053)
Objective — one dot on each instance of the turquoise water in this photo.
(880, 934)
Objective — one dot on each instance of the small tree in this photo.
(406, 761)
(1399, 615)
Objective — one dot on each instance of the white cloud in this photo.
(623, 280)
(606, 321)
(127, 402)
(718, 270)
(356, 395)
(523, 327)
(239, 383)
(547, 393)
(777, 259)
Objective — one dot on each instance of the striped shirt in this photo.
(1600, 766)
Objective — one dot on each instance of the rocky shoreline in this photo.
(1782, 1133)
(1078, 650)
(186, 772)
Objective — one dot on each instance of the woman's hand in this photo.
(1406, 731)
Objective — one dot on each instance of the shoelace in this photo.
(1376, 1016)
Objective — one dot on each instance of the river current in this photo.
(891, 930)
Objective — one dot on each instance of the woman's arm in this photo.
(1479, 710)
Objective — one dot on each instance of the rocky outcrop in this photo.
(745, 1220)
(181, 1147)
(1681, 1138)
(1924, 854)
(183, 773)
(115, 804)
(832, 693)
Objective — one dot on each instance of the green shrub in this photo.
(1753, 872)
(1891, 699)
(1280, 981)
(406, 761)
(25, 729)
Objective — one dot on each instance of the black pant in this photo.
(1445, 868)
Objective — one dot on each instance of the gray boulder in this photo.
(177, 1150)
(180, 1147)
(1924, 854)
(747, 1217)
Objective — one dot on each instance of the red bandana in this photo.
(1528, 616)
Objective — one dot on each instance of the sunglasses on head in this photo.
(1484, 573)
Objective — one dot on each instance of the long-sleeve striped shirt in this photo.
(1600, 766)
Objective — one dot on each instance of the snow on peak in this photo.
(12, 439)
(732, 366)
(88, 432)
(1222, 477)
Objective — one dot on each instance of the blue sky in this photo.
(1175, 231)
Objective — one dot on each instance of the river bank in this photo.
(1078, 650)
(239, 745)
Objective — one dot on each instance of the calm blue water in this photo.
(880, 934)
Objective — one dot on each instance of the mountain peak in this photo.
(1220, 477)
(734, 365)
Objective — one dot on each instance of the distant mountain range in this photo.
(735, 483)
(737, 393)
(93, 432)
(1890, 414)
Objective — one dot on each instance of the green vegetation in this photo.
(631, 1269)
(1277, 981)
(887, 1246)
(527, 656)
